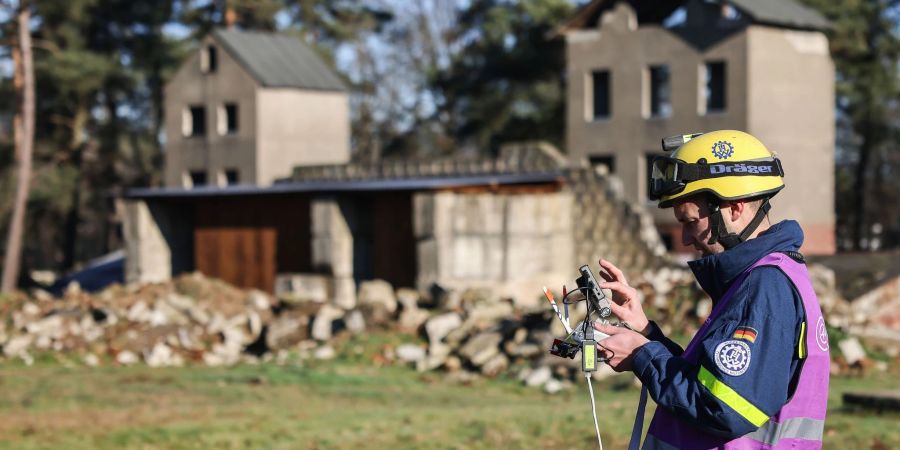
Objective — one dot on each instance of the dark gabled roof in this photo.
(779, 13)
(787, 13)
(279, 61)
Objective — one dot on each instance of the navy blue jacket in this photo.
(767, 303)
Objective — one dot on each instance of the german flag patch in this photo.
(746, 333)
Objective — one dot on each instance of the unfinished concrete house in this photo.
(246, 107)
(511, 224)
(639, 70)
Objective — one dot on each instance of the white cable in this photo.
(594, 409)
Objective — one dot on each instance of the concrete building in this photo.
(247, 107)
(512, 224)
(640, 70)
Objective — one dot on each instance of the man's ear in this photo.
(737, 208)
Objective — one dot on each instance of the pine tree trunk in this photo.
(860, 189)
(24, 138)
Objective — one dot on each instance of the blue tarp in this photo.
(96, 275)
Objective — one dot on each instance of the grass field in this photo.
(344, 403)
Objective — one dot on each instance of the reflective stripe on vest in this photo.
(793, 428)
(797, 429)
(731, 398)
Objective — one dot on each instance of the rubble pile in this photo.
(476, 334)
(467, 334)
(191, 319)
(873, 316)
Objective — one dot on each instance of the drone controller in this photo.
(593, 293)
(582, 336)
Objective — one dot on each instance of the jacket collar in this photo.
(715, 273)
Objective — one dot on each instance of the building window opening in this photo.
(660, 98)
(608, 161)
(600, 102)
(715, 87)
(231, 177)
(209, 59)
(198, 178)
(228, 119)
(193, 121)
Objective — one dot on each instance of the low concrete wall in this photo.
(514, 243)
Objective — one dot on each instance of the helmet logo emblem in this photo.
(722, 149)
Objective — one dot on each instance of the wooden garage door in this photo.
(246, 241)
(242, 256)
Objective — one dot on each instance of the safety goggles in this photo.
(669, 176)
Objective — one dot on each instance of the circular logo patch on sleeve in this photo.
(821, 334)
(733, 357)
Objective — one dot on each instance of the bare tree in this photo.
(23, 125)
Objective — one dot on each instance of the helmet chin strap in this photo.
(728, 239)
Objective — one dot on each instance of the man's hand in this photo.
(619, 347)
(626, 303)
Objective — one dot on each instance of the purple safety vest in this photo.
(800, 423)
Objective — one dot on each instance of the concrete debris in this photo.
(553, 386)
(452, 364)
(286, 330)
(410, 353)
(324, 322)
(355, 322)
(496, 365)
(485, 314)
(377, 301)
(408, 298)
(481, 348)
(852, 350)
(91, 360)
(297, 289)
(412, 319)
(325, 352)
(538, 377)
(126, 358)
(469, 333)
(438, 327)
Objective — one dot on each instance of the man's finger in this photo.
(606, 276)
(609, 329)
(601, 352)
(618, 286)
(613, 270)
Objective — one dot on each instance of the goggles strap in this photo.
(721, 234)
(717, 222)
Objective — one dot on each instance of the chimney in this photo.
(230, 16)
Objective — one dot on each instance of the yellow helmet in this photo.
(728, 164)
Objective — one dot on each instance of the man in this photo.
(755, 376)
